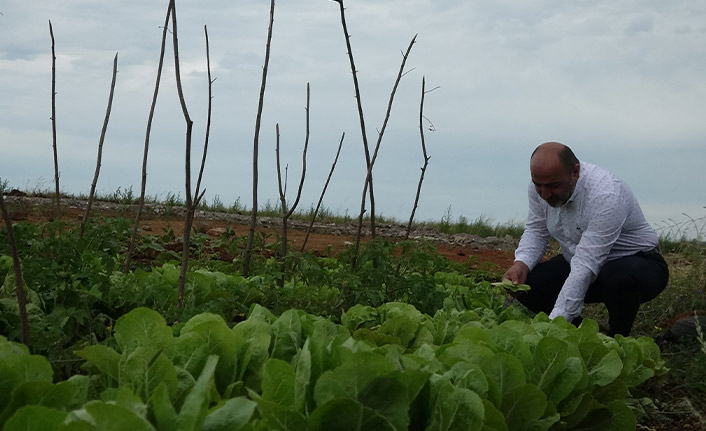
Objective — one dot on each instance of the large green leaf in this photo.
(18, 367)
(463, 351)
(286, 335)
(277, 416)
(104, 358)
(30, 368)
(321, 341)
(144, 369)
(494, 419)
(401, 327)
(454, 408)
(190, 353)
(550, 356)
(606, 370)
(217, 339)
(565, 382)
(402, 321)
(252, 341)
(231, 415)
(341, 414)
(504, 372)
(36, 418)
(193, 411)
(387, 402)
(360, 316)
(10, 378)
(164, 412)
(513, 343)
(102, 416)
(258, 313)
(143, 327)
(302, 378)
(468, 376)
(278, 382)
(64, 395)
(522, 406)
(348, 380)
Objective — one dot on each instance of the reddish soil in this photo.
(473, 255)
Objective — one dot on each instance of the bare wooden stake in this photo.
(286, 213)
(426, 160)
(141, 204)
(192, 203)
(323, 192)
(208, 120)
(381, 133)
(253, 218)
(19, 285)
(53, 120)
(366, 148)
(100, 147)
(187, 163)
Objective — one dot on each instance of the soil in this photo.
(488, 253)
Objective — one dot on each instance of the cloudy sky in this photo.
(620, 81)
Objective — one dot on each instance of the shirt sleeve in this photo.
(535, 237)
(606, 220)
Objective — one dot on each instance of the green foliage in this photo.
(389, 367)
(395, 337)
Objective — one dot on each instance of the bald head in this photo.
(550, 153)
(555, 170)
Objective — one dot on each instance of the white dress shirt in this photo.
(601, 221)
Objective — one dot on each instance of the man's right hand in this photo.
(517, 273)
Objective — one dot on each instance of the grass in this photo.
(482, 226)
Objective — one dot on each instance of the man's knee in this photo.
(634, 279)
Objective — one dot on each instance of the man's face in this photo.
(551, 180)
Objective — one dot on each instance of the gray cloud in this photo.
(620, 82)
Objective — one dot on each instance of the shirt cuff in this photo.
(556, 312)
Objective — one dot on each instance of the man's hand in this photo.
(517, 273)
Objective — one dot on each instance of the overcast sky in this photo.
(621, 82)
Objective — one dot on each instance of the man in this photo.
(608, 250)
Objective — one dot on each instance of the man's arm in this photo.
(604, 227)
(533, 242)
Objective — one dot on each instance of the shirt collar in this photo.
(577, 188)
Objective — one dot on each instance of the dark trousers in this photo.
(622, 285)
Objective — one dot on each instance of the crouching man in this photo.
(608, 254)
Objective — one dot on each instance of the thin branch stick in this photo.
(369, 178)
(253, 219)
(323, 192)
(426, 160)
(100, 146)
(208, 120)
(286, 213)
(381, 133)
(306, 147)
(141, 205)
(282, 191)
(279, 172)
(19, 285)
(187, 163)
(53, 119)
